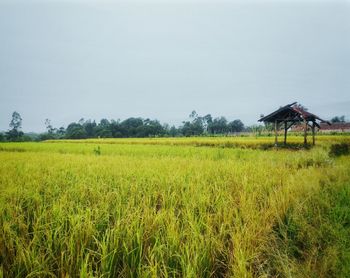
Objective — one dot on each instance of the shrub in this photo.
(339, 149)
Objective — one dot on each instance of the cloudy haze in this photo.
(74, 59)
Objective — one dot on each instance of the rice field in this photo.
(175, 207)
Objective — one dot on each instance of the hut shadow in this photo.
(288, 146)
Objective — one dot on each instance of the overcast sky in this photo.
(162, 59)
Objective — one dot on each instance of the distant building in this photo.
(326, 128)
(335, 127)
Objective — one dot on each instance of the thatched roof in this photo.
(291, 113)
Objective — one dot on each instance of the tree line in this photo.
(136, 127)
(132, 127)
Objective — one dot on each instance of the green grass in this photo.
(173, 209)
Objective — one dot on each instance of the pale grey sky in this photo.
(65, 60)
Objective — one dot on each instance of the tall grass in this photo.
(172, 210)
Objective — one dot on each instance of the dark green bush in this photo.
(339, 149)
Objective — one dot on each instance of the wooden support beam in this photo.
(305, 132)
(285, 132)
(290, 125)
(313, 133)
(276, 134)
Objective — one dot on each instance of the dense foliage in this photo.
(131, 127)
(139, 127)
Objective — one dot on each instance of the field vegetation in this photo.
(181, 207)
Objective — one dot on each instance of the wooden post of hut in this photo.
(276, 134)
(305, 132)
(285, 132)
(293, 114)
(313, 133)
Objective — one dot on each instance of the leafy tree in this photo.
(193, 115)
(186, 129)
(173, 131)
(15, 133)
(130, 127)
(51, 132)
(104, 123)
(49, 128)
(75, 131)
(103, 129)
(336, 119)
(116, 129)
(81, 121)
(16, 121)
(61, 132)
(194, 127)
(89, 127)
(166, 129)
(191, 129)
(153, 128)
(235, 126)
(207, 120)
(218, 126)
